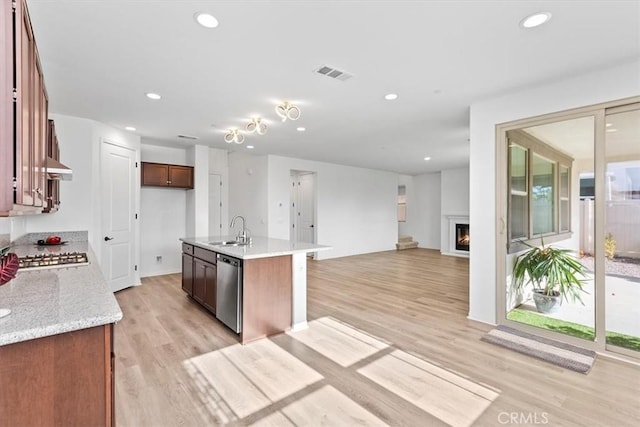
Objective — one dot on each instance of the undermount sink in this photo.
(228, 243)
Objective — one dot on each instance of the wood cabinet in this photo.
(199, 275)
(187, 273)
(165, 175)
(24, 107)
(204, 283)
(64, 379)
(31, 114)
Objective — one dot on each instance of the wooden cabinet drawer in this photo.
(205, 255)
(187, 248)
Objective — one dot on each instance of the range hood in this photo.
(58, 171)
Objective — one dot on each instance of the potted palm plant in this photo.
(555, 274)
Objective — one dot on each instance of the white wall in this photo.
(162, 216)
(75, 136)
(81, 208)
(198, 199)
(248, 192)
(426, 227)
(454, 184)
(356, 207)
(12, 228)
(604, 85)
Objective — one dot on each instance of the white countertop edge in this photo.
(281, 253)
(239, 251)
(60, 328)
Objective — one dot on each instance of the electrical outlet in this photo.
(159, 259)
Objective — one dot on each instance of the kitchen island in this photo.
(56, 345)
(273, 282)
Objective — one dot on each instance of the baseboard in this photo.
(300, 326)
(160, 273)
(454, 254)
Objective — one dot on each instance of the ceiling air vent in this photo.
(334, 73)
(187, 137)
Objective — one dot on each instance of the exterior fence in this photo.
(622, 221)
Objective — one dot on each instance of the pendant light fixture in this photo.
(287, 110)
(257, 125)
(234, 135)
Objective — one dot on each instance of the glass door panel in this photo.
(546, 163)
(622, 229)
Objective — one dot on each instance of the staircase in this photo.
(406, 242)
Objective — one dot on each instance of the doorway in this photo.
(303, 207)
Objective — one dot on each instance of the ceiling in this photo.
(576, 137)
(101, 57)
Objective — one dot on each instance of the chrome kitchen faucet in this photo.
(242, 236)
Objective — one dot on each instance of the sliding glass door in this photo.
(572, 181)
(622, 228)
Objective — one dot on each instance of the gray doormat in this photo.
(561, 354)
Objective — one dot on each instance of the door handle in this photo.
(107, 238)
(311, 226)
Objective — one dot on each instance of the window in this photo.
(539, 188)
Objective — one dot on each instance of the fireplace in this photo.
(456, 241)
(462, 237)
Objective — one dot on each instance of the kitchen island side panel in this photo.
(266, 297)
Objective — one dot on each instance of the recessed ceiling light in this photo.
(609, 125)
(131, 128)
(612, 130)
(206, 20)
(152, 95)
(250, 147)
(391, 96)
(427, 158)
(301, 129)
(535, 20)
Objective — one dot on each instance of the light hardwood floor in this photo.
(388, 343)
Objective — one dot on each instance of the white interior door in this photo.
(293, 236)
(303, 207)
(118, 166)
(215, 205)
(306, 208)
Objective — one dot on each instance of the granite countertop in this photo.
(260, 247)
(54, 301)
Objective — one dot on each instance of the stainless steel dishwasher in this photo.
(229, 292)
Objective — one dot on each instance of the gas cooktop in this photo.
(53, 260)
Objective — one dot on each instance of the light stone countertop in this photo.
(261, 247)
(53, 301)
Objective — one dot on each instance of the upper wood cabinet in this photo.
(165, 175)
(6, 107)
(24, 107)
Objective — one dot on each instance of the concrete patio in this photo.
(622, 306)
